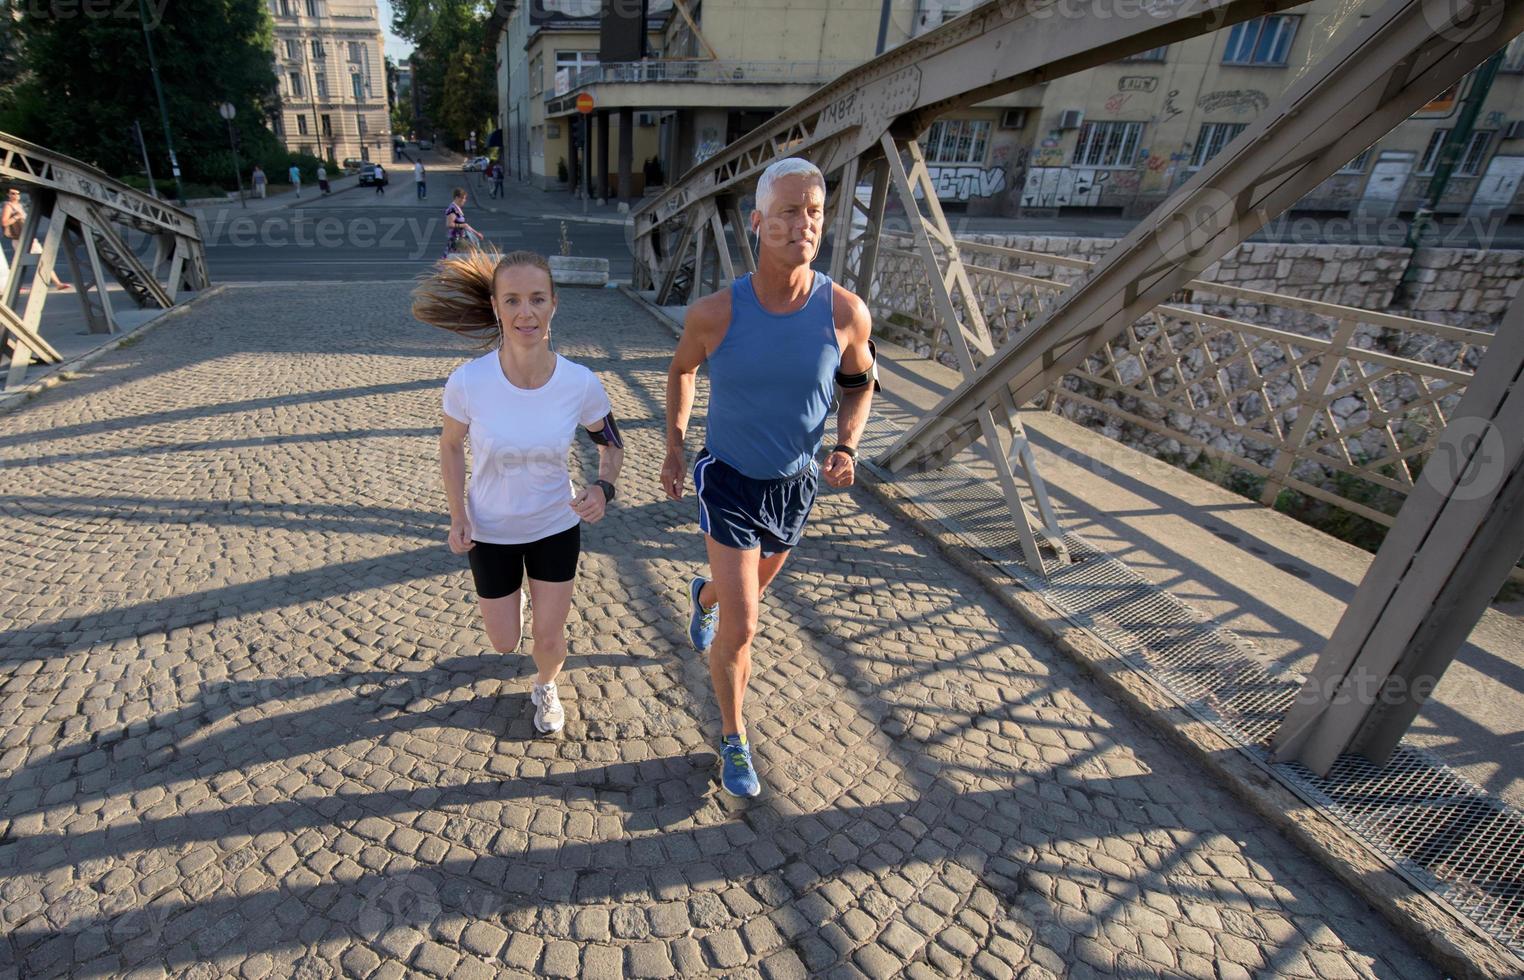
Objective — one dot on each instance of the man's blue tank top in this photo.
(771, 382)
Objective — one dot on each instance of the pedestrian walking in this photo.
(458, 233)
(380, 181)
(420, 180)
(295, 176)
(12, 221)
(778, 343)
(497, 179)
(520, 406)
(322, 178)
(259, 180)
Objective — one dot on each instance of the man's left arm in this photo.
(856, 378)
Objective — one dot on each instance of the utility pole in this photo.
(147, 167)
(228, 111)
(1455, 143)
(153, 68)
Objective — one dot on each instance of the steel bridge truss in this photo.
(86, 212)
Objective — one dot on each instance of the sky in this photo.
(396, 48)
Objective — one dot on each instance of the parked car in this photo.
(352, 164)
(372, 174)
(425, 144)
(476, 163)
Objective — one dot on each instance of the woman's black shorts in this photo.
(499, 568)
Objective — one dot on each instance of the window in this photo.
(278, 124)
(317, 49)
(537, 74)
(1357, 165)
(574, 62)
(957, 141)
(357, 82)
(286, 10)
(1262, 41)
(1214, 136)
(1476, 152)
(1108, 144)
(360, 125)
(296, 84)
(1152, 54)
(1470, 162)
(1513, 56)
(301, 125)
(356, 51)
(293, 49)
(322, 85)
(312, 8)
(327, 122)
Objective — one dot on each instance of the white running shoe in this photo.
(549, 716)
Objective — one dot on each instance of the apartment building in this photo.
(1121, 137)
(1115, 139)
(330, 62)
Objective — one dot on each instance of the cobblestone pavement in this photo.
(249, 723)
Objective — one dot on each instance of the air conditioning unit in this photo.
(1071, 118)
(645, 119)
(1515, 130)
(1013, 119)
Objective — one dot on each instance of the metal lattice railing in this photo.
(1335, 402)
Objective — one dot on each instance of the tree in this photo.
(452, 71)
(84, 79)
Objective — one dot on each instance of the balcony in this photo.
(693, 83)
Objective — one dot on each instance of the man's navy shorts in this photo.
(745, 513)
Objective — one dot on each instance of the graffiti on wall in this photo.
(965, 183)
(1137, 83)
(1052, 187)
(708, 145)
(1170, 109)
(1237, 101)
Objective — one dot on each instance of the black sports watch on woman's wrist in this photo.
(608, 489)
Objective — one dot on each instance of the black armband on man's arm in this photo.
(609, 434)
(861, 379)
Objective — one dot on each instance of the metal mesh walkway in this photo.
(1440, 831)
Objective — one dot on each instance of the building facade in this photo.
(330, 62)
(1120, 138)
(1115, 139)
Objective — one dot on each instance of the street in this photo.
(359, 235)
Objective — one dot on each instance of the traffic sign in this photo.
(585, 103)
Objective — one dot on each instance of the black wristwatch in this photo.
(842, 447)
(608, 489)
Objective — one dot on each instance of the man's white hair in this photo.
(787, 167)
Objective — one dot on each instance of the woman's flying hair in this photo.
(458, 294)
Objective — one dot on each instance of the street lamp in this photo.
(228, 111)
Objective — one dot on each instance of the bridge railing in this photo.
(1341, 404)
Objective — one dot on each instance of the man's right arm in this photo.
(702, 327)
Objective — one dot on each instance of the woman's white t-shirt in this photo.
(520, 487)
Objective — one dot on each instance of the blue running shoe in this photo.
(738, 776)
(701, 622)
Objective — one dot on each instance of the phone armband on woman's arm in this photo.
(608, 435)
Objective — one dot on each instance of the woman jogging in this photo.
(520, 405)
(12, 221)
(458, 234)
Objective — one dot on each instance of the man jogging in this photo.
(778, 343)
